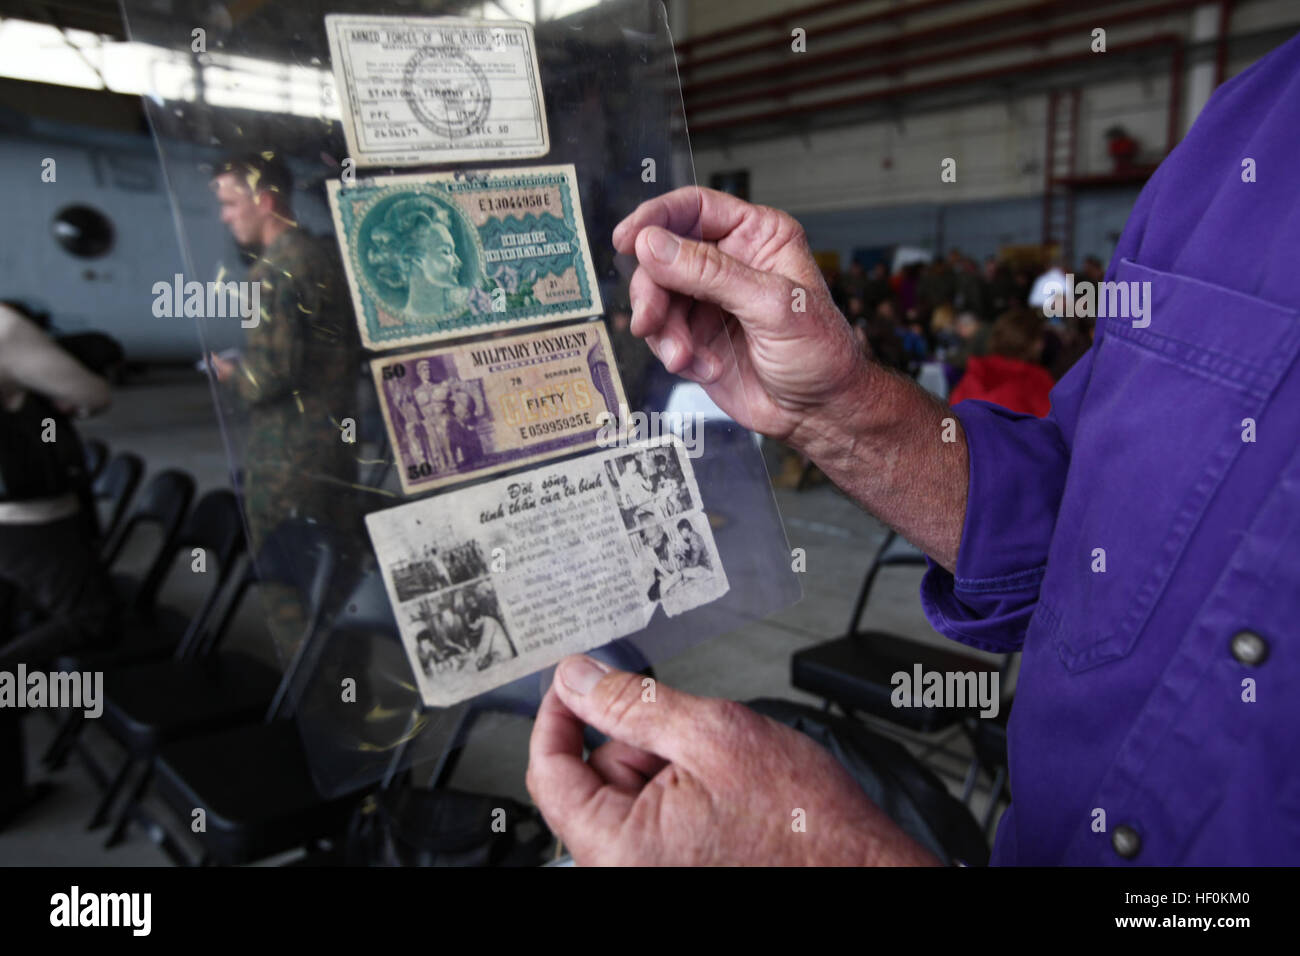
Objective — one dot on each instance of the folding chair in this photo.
(215, 527)
(154, 703)
(164, 502)
(855, 672)
(255, 783)
(114, 486)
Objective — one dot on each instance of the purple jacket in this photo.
(1163, 690)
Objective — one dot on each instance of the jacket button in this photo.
(1249, 648)
(1126, 841)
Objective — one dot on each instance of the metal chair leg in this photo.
(56, 755)
(127, 811)
(174, 852)
(110, 795)
(968, 786)
(995, 794)
(91, 765)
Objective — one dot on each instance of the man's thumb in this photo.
(705, 272)
(632, 708)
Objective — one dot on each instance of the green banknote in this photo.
(436, 255)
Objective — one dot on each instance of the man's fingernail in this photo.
(670, 351)
(704, 368)
(663, 245)
(581, 674)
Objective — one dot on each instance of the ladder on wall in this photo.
(1059, 170)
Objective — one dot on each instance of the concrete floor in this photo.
(167, 418)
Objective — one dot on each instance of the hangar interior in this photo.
(941, 155)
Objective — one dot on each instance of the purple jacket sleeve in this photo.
(1018, 465)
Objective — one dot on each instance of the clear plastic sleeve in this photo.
(233, 80)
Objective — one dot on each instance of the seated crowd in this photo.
(983, 326)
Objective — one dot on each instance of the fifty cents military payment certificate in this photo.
(481, 407)
(435, 255)
(425, 90)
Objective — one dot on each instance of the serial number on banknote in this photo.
(535, 201)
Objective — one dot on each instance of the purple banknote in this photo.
(481, 407)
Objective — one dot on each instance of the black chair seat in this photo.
(125, 585)
(151, 703)
(857, 672)
(142, 640)
(255, 787)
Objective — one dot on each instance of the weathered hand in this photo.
(688, 780)
(750, 278)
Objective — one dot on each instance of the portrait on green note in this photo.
(418, 256)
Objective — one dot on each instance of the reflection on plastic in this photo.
(612, 100)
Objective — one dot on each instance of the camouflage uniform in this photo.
(298, 378)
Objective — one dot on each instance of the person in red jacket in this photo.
(1010, 375)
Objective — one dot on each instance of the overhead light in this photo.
(40, 53)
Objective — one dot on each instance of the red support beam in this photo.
(1221, 49)
(779, 21)
(1175, 98)
(1048, 179)
(1036, 37)
(1172, 40)
(1002, 19)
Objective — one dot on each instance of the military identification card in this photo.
(434, 255)
(425, 90)
(494, 582)
(474, 409)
